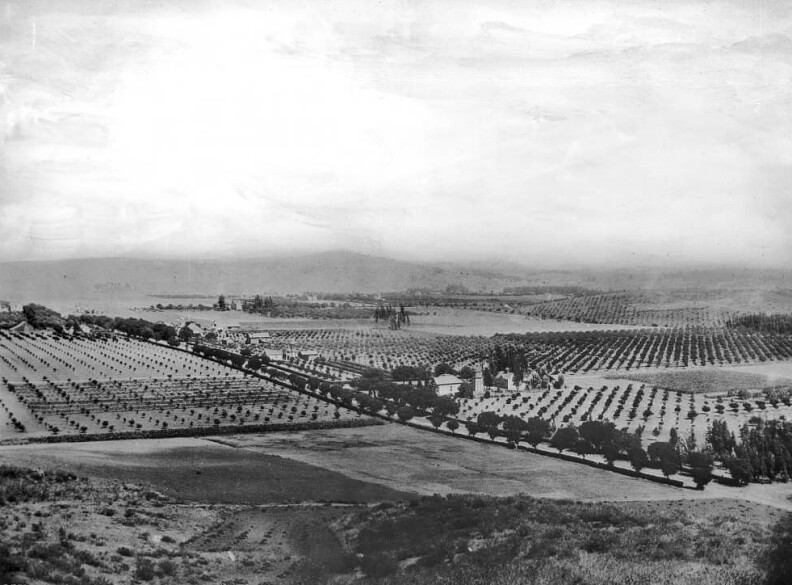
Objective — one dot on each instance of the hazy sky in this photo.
(529, 131)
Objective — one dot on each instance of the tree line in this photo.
(763, 452)
(762, 322)
(600, 437)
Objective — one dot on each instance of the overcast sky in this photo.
(538, 132)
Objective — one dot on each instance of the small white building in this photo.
(274, 354)
(259, 336)
(447, 384)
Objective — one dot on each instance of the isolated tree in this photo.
(221, 303)
(638, 459)
(720, 440)
(597, 432)
(488, 421)
(669, 465)
(436, 420)
(536, 430)
(185, 334)
(465, 390)
(583, 447)
(740, 470)
(564, 438)
(611, 452)
(701, 464)
(452, 425)
(446, 406)
(443, 368)
(405, 413)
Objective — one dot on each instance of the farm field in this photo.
(572, 352)
(631, 405)
(634, 308)
(54, 387)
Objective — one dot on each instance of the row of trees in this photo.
(764, 451)
(219, 354)
(772, 323)
(600, 437)
(143, 329)
(40, 317)
(260, 304)
(395, 318)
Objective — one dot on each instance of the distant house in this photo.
(195, 328)
(447, 384)
(259, 336)
(274, 354)
(308, 353)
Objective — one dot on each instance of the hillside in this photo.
(326, 272)
(120, 278)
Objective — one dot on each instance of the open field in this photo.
(409, 460)
(440, 320)
(709, 380)
(203, 471)
(368, 464)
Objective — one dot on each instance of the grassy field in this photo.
(701, 381)
(203, 471)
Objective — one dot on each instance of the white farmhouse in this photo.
(447, 384)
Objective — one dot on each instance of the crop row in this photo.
(625, 309)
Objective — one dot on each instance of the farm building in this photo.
(259, 336)
(447, 384)
(274, 354)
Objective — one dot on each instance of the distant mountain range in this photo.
(334, 272)
(325, 272)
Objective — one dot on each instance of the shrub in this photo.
(378, 565)
(144, 569)
(166, 567)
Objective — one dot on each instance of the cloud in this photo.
(540, 133)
